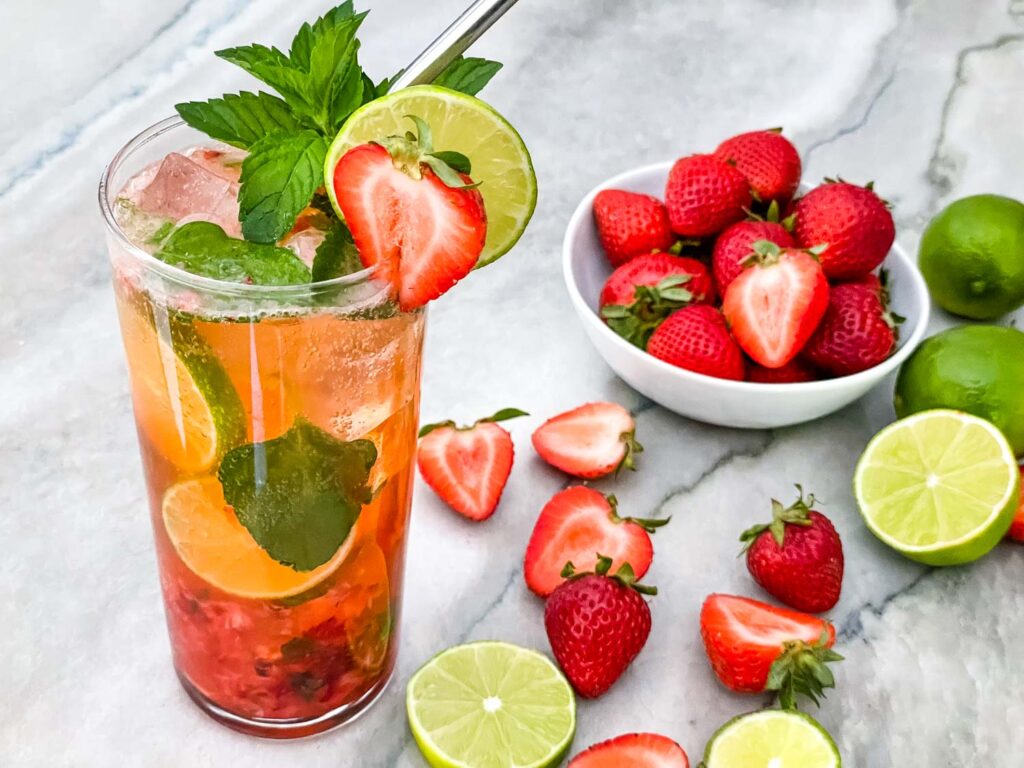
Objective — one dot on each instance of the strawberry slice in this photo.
(575, 526)
(754, 646)
(591, 441)
(641, 750)
(411, 215)
(774, 306)
(468, 466)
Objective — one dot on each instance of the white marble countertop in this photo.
(922, 97)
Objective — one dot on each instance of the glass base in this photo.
(288, 729)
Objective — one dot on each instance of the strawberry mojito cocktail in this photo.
(272, 258)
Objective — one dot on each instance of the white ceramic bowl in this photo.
(705, 398)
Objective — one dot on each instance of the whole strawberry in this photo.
(597, 624)
(736, 244)
(647, 289)
(629, 224)
(857, 331)
(852, 223)
(768, 160)
(697, 338)
(704, 195)
(797, 557)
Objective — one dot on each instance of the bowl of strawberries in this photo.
(726, 290)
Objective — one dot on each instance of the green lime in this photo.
(978, 369)
(940, 487)
(492, 704)
(460, 123)
(972, 256)
(772, 738)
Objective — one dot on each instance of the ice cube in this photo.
(181, 187)
(305, 243)
(226, 163)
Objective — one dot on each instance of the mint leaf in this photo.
(279, 176)
(276, 70)
(334, 78)
(468, 75)
(204, 249)
(302, 44)
(239, 119)
(299, 494)
(336, 255)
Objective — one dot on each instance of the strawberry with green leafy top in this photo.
(755, 647)
(776, 303)
(576, 524)
(641, 293)
(590, 441)
(797, 557)
(736, 244)
(468, 466)
(857, 331)
(597, 623)
(630, 224)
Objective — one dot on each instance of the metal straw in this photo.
(462, 33)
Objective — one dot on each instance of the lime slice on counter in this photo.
(772, 738)
(499, 158)
(185, 403)
(940, 487)
(493, 704)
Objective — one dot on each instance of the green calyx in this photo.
(802, 670)
(797, 513)
(625, 574)
(414, 150)
(651, 525)
(635, 322)
(765, 253)
(503, 415)
(772, 216)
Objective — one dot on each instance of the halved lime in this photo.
(461, 123)
(940, 487)
(772, 738)
(491, 704)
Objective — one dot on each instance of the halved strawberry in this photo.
(590, 441)
(411, 215)
(776, 303)
(468, 466)
(575, 526)
(754, 646)
(633, 750)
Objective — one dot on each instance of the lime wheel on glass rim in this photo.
(500, 162)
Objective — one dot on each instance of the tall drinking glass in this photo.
(277, 427)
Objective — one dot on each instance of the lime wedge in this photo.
(492, 704)
(461, 123)
(772, 738)
(940, 487)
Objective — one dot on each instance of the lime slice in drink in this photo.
(491, 703)
(772, 738)
(940, 487)
(209, 539)
(460, 123)
(185, 403)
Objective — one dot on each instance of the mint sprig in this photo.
(299, 494)
(204, 249)
(319, 83)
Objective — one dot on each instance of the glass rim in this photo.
(137, 142)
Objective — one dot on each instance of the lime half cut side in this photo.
(500, 161)
(940, 487)
(772, 738)
(491, 704)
